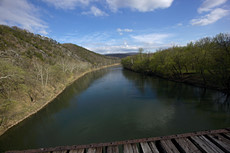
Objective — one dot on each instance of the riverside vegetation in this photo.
(204, 63)
(34, 69)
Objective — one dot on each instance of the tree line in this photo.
(205, 62)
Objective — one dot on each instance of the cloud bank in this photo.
(210, 18)
(139, 5)
(208, 5)
(95, 11)
(23, 14)
(107, 42)
(151, 38)
(213, 10)
(121, 31)
(114, 5)
(67, 4)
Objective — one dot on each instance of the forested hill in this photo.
(34, 68)
(89, 56)
(205, 63)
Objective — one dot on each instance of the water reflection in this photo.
(31, 132)
(115, 104)
(165, 89)
(64, 99)
(194, 108)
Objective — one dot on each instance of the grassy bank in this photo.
(39, 105)
(204, 63)
(34, 69)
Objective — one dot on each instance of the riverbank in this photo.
(190, 79)
(50, 98)
(201, 63)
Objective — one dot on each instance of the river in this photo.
(114, 104)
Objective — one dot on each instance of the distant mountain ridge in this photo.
(87, 55)
(121, 55)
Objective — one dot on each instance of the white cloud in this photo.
(124, 30)
(21, 13)
(67, 4)
(212, 17)
(114, 5)
(139, 5)
(208, 5)
(150, 42)
(72, 4)
(126, 44)
(96, 12)
(108, 42)
(43, 32)
(124, 48)
(214, 14)
(153, 38)
(107, 49)
(120, 31)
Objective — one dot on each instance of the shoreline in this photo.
(55, 96)
(187, 82)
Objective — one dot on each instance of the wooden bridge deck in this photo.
(214, 141)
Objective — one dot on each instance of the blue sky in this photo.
(118, 26)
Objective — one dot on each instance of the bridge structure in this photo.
(210, 141)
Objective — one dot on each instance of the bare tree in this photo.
(140, 50)
(42, 74)
(6, 77)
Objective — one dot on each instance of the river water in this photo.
(114, 104)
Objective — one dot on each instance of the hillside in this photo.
(89, 56)
(34, 69)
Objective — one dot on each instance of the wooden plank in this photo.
(187, 145)
(212, 145)
(115, 149)
(112, 149)
(109, 149)
(145, 147)
(77, 151)
(73, 151)
(135, 148)
(206, 145)
(131, 148)
(91, 150)
(220, 141)
(227, 134)
(224, 139)
(153, 147)
(224, 132)
(128, 148)
(99, 150)
(65, 151)
(168, 146)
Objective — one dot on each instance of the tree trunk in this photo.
(203, 76)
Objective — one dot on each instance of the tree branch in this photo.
(5, 77)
